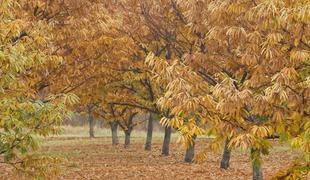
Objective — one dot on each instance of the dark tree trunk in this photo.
(128, 131)
(148, 143)
(127, 139)
(226, 156)
(257, 173)
(165, 149)
(114, 126)
(256, 165)
(190, 151)
(91, 124)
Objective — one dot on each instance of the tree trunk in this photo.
(91, 124)
(165, 148)
(256, 165)
(114, 126)
(128, 131)
(226, 156)
(127, 139)
(257, 173)
(190, 151)
(148, 143)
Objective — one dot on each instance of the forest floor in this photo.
(97, 159)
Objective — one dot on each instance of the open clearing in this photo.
(97, 159)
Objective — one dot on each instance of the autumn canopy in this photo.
(234, 71)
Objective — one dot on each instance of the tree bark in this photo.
(190, 151)
(226, 156)
(148, 143)
(165, 148)
(127, 139)
(256, 165)
(128, 131)
(91, 124)
(114, 126)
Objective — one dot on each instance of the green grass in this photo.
(80, 136)
(70, 131)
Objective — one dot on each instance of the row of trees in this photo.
(234, 69)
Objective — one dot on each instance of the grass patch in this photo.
(83, 132)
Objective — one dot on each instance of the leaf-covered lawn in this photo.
(97, 159)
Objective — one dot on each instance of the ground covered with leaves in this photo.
(96, 158)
